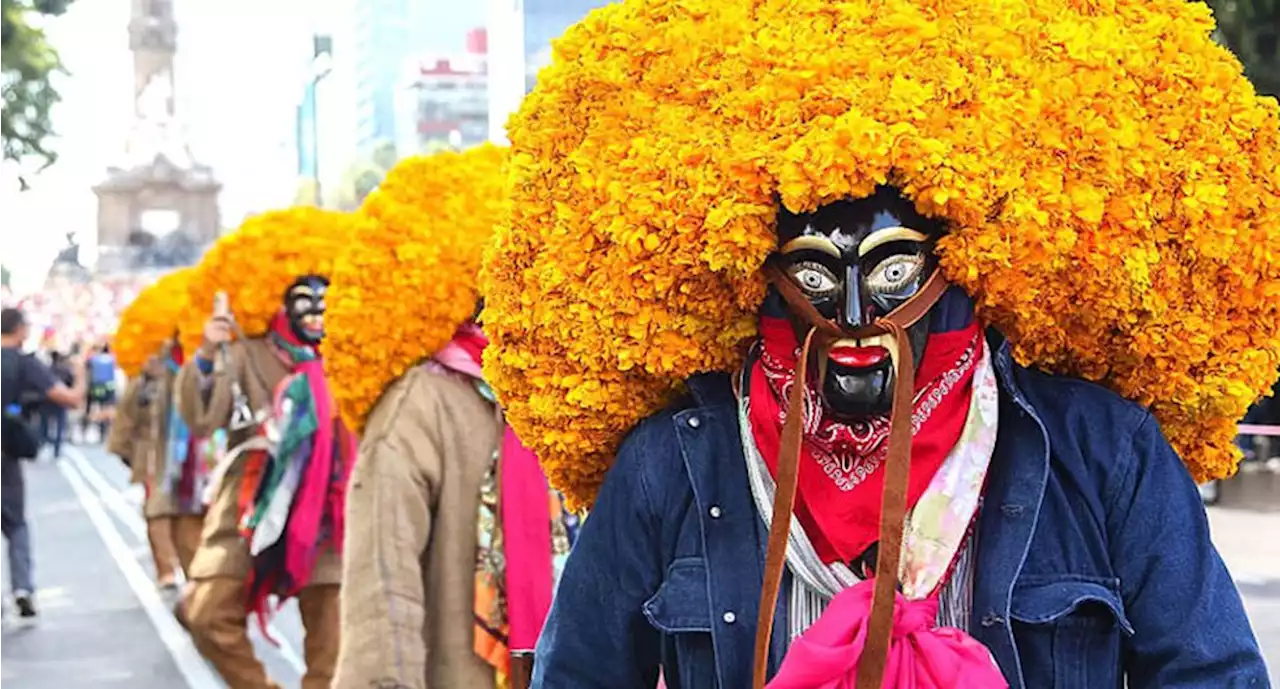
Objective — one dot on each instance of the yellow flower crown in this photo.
(402, 288)
(150, 321)
(256, 264)
(1108, 178)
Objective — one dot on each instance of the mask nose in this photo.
(851, 315)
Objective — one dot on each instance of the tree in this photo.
(362, 177)
(358, 180)
(28, 62)
(1251, 28)
(4, 276)
(305, 194)
(384, 155)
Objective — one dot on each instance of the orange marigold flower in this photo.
(402, 288)
(149, 322)
(256, 263)
(1109, 180)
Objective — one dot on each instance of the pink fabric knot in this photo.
(921, 656)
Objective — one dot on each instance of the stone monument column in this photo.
(157, 175)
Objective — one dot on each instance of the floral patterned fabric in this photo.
(490, 608)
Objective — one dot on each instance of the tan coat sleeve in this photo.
(128, 422)
(390, 506)
(205, 402)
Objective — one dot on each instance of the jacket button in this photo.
(715, 511)
(729, 617)
(694, 422)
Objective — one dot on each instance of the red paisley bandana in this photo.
(839, 490)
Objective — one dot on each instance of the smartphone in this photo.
(221, 305)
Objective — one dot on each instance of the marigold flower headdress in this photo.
(256, 263)
(402, 288)
(1107, 174)
(150, 320)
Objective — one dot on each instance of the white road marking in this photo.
(1252, 579)
(132, 519)
(193, 668)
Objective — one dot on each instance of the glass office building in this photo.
(545, 20)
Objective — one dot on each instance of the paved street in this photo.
(103, 623)
(105, 626)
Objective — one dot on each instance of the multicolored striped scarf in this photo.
(185, 466)
(298, 497)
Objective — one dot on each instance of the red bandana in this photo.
(839, 491)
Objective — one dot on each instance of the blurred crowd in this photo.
(68, 312)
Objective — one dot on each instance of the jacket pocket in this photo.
(681, 611)
(1069, 631)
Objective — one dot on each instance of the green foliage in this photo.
(384, 155)
(1251, 28)
(305, 194)
(4, 276)
(28, 63)
(362, 177)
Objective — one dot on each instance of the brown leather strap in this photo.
(521, 671)
(893, 513)
(906, 315)
(784, 501)
(871, 665)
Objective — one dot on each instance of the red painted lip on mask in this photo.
(857, 357)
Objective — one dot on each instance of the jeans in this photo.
(53, 427)
(13, 498)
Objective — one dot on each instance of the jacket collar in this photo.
(1011, 505)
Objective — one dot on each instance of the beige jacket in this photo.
(141, 434)
(223, 553)
(122, 440)
(411, 538)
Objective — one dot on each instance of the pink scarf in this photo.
(285, 568)
(526, 524)
(920, 655)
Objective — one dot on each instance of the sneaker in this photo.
(25, 604)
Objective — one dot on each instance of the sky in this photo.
(239, 70)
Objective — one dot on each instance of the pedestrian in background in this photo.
(53, 418)
(99, 408)
(23, 375)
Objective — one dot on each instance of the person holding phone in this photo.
(275, 525)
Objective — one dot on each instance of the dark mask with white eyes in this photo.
(857, 261)
(304, 306)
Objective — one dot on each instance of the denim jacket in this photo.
(1094, 565)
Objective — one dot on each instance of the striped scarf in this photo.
(297, 501)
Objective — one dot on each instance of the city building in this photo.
(380, 44)
(324, 130)
(544, 21)
(159, 206)
(443, 100)
(520, 35)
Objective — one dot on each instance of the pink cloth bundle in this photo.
(921, 656)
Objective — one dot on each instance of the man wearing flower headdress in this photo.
(275, 525)
(149, 434)
(455, 538)
(885, 202)
(167, 460)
